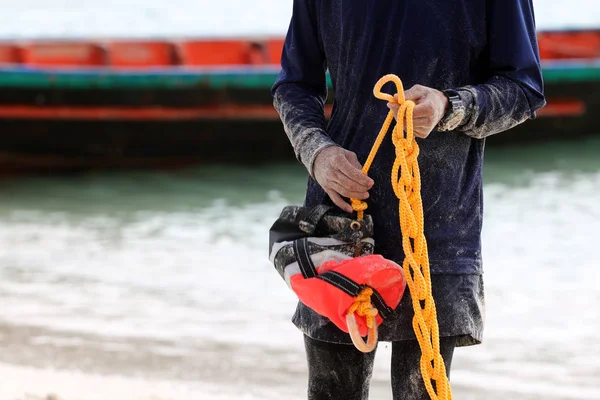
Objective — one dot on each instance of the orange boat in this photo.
(69, 105)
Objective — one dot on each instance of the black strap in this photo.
(341, 282)
(303, 257)
(353, 289)
(379, 304)
(309, 224)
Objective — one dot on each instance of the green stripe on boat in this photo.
(15, 78)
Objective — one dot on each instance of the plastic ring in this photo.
(355, 226)
(358, 341)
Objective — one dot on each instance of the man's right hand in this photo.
(340, 174)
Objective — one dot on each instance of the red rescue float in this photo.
(326, 257)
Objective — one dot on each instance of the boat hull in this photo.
(191, 135)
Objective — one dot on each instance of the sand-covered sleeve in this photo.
(300, 91)
(513, 91)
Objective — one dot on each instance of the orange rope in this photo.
(406, 182)
(362, 306)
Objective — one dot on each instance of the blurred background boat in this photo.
(68, 105)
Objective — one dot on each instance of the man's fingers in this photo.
(338, 201)
(340, 174)
(353, 159)
(422, 131)
(423, 110)
(393, 106)
(347, 186)
(424, 122)
(361, 195)
(424, 113)
(422, 134)
(415, 93)
(352, 170)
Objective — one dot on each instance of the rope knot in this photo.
(363, 307)
(359, 206)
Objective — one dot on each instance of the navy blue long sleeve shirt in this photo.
(485, 49)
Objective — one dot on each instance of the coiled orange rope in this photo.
(406, 182)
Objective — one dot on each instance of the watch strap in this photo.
(454, 113)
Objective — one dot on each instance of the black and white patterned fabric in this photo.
(302, 239)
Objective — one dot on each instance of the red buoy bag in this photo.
(326, 257)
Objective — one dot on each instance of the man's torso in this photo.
(435, 43)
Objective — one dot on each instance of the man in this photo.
(473, 70)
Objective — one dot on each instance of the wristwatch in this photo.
(455, 112)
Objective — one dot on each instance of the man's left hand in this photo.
(430, 107)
